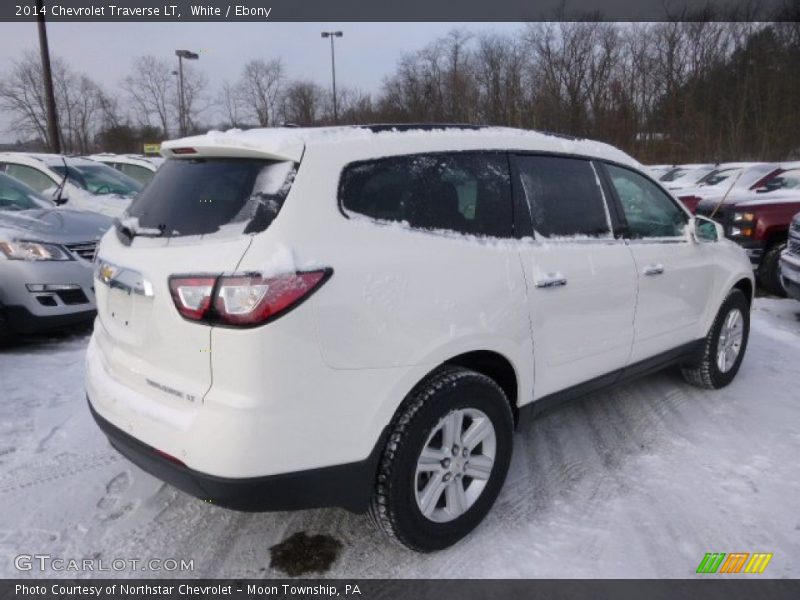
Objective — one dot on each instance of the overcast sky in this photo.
(105, 51)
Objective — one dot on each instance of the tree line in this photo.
(666, 92)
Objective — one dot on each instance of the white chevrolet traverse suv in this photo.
(359, 316)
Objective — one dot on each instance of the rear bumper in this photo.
(347, 486)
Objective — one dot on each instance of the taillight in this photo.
(243, 300)
(192, 295)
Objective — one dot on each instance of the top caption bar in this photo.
(397, 10)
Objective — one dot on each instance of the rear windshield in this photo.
(200, 196)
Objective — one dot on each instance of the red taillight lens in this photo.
(184, 151)
(252, 299)
(242, 300)
(192, 295)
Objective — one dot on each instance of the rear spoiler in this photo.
(271, 144)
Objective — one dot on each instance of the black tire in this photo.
(705, 372)
(5, 332)
(394, 508)
(769, 273)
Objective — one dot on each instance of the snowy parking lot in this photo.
(638, 481)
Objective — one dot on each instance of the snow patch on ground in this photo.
(638, 481)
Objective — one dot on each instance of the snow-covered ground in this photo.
(639, 481)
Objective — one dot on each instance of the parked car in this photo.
(138, 167)
(727, 179)
(380, 309)
(760, 224)
(657, 171)
(685, 176)
(46, 258)
(785, 178)
(790, 260)
(82, 183)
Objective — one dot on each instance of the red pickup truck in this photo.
(760, 224)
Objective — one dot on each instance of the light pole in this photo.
(47, 76)
(333, 34)
(188, 55)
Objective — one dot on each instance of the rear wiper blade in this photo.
(135, 231)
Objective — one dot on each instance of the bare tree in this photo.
(152, 91)
(84, 109)
(228, 101)
(303, 103)
(499, 67)
(22, 95)
(260, 88)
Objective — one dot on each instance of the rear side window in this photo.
(465, 192)
(564, 196)
(201, 196)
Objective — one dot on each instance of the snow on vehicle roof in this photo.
(51, 160)
(289, 143)
(130, 159)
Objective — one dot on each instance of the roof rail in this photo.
(379, 127)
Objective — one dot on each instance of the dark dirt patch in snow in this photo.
(300, 554)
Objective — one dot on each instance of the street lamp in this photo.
(50, 99)
(333, 34)
(188, 55)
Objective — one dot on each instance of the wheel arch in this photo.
(775, 236)
(493, 365)
(746, 287)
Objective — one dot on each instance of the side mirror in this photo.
(705, 230)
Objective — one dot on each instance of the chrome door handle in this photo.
(654, 270)
(551, 280)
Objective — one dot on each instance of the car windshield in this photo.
(15, 195)
(788, 180)
(673, 174)
(99, 179)
(717, 176)
(200, 196)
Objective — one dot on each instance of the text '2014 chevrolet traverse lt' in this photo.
(359, 316)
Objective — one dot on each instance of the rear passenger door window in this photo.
(649, 211)
(465, 192)
(564, 196)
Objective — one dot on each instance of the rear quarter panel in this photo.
(398, 299)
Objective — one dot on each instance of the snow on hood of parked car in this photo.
(770, 198)
(53, 225)
(288, 143)
(109, 205)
